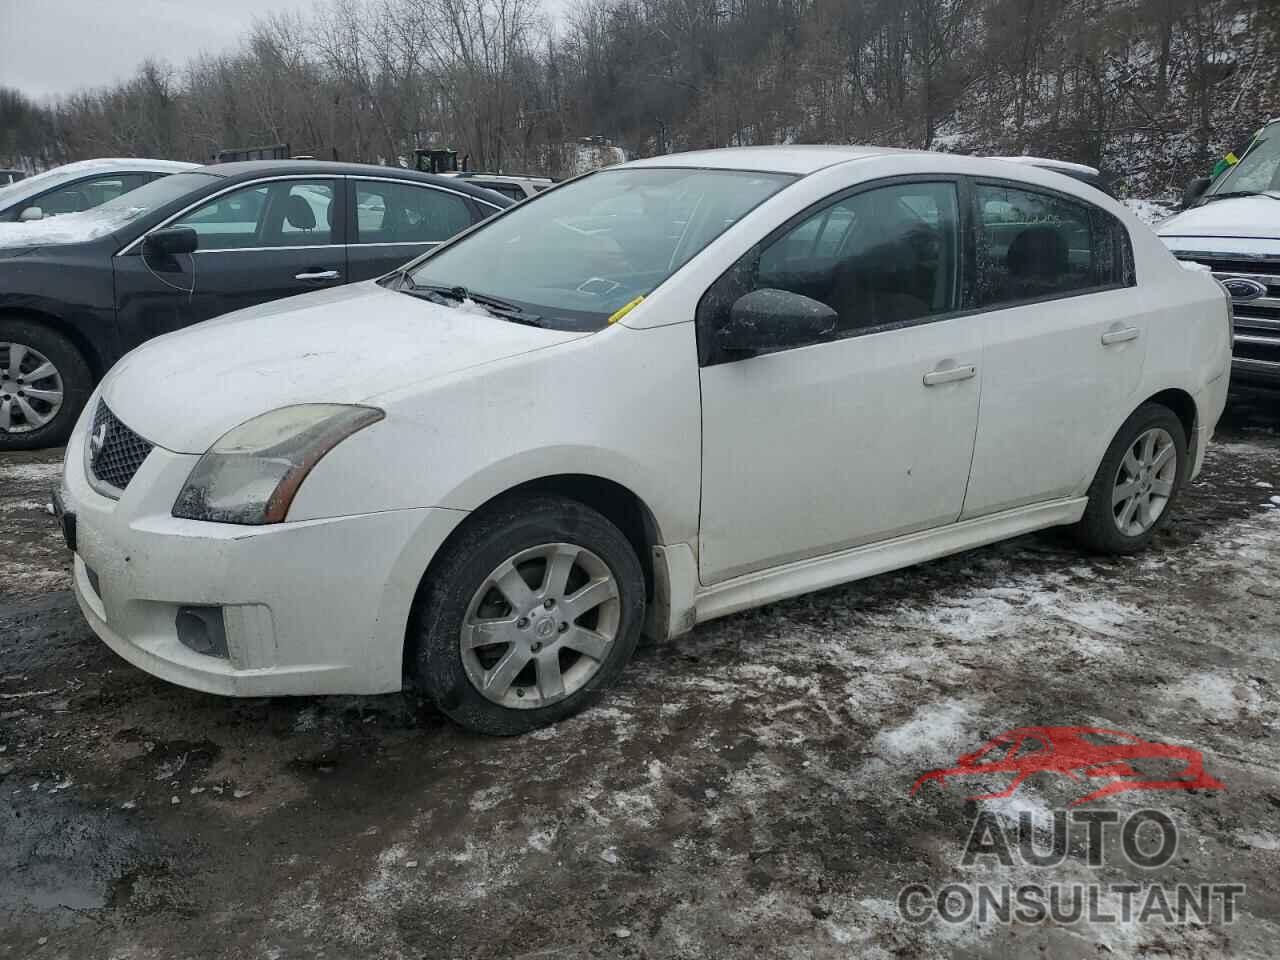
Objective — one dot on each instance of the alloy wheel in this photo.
(1144, 482)
(540, 626)
(31, 390)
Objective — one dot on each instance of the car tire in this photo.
(1136, 486)
(488, 651)
(38, 347)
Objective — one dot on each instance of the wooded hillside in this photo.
(1152, 90)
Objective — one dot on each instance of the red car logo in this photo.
(1077, 753)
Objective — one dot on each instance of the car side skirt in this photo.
(818, 573)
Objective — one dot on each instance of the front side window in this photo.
(879, 258)
(1033, 245)
(388, 212)
(589, 248)
(283, 213)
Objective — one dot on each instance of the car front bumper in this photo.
(314, 607)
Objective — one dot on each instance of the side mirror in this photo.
(171, 241)
(1195, 190)
(770, 319)
(31, 213)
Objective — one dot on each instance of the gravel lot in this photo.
(745, 792)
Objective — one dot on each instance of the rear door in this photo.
(1064, 333)
(394, 221)
(258, 241)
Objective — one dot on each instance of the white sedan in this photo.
(658, 394)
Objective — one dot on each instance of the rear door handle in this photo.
(1120, 336)
(318, 275)
(950, 374)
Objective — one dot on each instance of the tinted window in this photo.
(881, 257)
(284, 213)
(87, 194)
(1033, 244)
(404, 213)
(506, 189)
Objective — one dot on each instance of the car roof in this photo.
(249, 169)
(800, 159)
(1049, 163)
(806, 159)
(503, 177)
(122, 163)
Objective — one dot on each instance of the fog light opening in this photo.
(201, 629)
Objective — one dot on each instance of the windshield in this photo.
(589, 248)
(153, 195)
(1258, 170)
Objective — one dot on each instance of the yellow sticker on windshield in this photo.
(623, 310)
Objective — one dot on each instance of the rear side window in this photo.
(1033, 245)
(508, 190)
(388, 212)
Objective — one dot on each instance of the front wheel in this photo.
(534, 608)
(44, 383)
(1137, 483)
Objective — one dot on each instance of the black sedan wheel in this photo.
(44, 383)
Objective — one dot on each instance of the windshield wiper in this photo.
(440, 293)
(1230, 194)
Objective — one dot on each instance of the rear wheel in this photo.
(527, 615)
(44, 383)
(1137, 483)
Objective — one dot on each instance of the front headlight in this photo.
(250, 475)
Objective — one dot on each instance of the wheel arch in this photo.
(95, 360)
(1183, 406)
(613, 500)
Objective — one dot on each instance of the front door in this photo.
(259, 242)
(826, 445)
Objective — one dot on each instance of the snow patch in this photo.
(31, 472)
(936, 732)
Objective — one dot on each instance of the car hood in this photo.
(184, 390)
(1244, 217)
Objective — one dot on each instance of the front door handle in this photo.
(1120, 336)
(319, 275)
(950, 374)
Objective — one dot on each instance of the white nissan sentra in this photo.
(657, 394)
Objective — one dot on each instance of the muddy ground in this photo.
(745, 792)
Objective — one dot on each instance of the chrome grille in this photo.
(1257, 320)
(115, 451)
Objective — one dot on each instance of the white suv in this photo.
(1232, 226)
(662, 393)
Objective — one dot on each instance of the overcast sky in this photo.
(50, 47)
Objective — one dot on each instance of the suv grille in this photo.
(1257, 321)
(115, 451)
